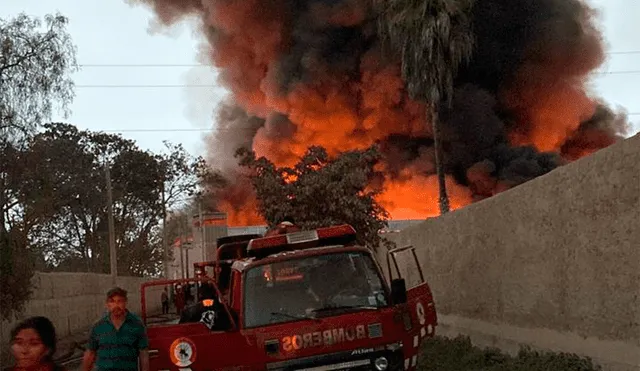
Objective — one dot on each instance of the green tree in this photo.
(433, 38)
(66, 181)
(36, 60)
(35, 69)
(178, 226)
(182, 175)
(320, 191)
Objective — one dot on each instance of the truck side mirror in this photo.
(398, 291)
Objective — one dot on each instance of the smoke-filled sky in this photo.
(310, 72)
(313, 72)
(151, 108)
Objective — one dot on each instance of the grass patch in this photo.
(443, 354)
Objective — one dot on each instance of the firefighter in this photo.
(207, 310)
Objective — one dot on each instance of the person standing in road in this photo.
(165, 301)
(118, 340)
(179, 297)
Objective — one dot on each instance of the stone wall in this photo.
(74, 301)
(554, 263)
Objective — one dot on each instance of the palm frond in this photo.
(434, 38)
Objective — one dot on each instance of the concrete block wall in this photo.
(74, 301)
(553, 263)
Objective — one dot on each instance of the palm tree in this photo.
(433, 38)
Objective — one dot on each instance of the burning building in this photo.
(312, 72)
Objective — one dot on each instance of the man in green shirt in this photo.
(118, 340)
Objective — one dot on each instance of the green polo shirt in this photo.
(118, 349)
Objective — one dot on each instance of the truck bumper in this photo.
(382, 358)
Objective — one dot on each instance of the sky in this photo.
(139, 81)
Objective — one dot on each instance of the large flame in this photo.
(311, 72)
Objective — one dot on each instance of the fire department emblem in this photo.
(208, 318)
(182, 352)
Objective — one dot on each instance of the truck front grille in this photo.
(352, 360)
(350, 365)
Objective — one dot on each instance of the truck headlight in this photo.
(381, 364)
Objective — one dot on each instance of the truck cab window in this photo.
(208, 309)
(312, 286)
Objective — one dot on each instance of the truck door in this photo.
(191, 345)
(404, 262)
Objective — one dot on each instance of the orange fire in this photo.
(242, 216)
(318, 64)
(338, 114)
(416, 197)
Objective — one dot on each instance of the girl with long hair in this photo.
(33, 344)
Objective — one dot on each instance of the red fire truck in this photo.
(307, 300)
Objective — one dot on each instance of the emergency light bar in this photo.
(287, 241)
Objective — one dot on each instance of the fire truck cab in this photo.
(305, 300)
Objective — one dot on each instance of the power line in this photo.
(155, 130)
(164, 86)
(202, 130)
(145, 65)
(153, 65)
(171, 130)
(150, 86)
(624, 52)
(616, 72)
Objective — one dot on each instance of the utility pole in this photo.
(181, 242)
(202, 243)
(165, 246)
(188, 227)
(186, 257)
(112, 234)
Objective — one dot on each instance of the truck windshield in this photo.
(312, 287)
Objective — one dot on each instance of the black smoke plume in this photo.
(310, 72)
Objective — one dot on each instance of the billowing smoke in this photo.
(305, 72)
(235, 129)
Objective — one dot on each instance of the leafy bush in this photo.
(443, 354)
